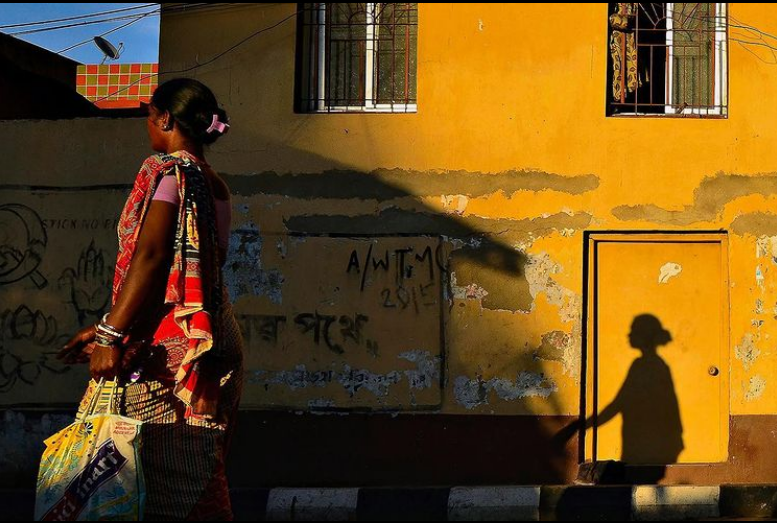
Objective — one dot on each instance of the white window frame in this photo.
(369, 71)
(720, 58)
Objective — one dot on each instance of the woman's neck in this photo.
(186, 145)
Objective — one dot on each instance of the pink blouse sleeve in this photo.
(167, 190)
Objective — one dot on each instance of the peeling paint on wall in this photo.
(766, 247)
(425, 375)
(755, 223)
(552, 346)
(516, 290)
(540, 269)
(470, 292)
(457, 243)
(746, 351)
(756, 388)
(471, 393)
(668, 271)
(351, 379)
(709, 198)
(493, 273)
(427, 372)
(388, 184)
(539, 273)
(560, 347)
(572, 358)
(393, 220)
(243, 274)
(571, 310)
(454, 203)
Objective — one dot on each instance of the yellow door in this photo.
(658, 348)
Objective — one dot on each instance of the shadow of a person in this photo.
(652, 432)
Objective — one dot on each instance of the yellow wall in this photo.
(510, 140)
(520, 87)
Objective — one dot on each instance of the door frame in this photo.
(588, 390)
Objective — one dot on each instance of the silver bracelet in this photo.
(105, 341)
(109, 330)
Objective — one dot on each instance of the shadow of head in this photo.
(647, 333)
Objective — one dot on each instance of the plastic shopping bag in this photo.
(91, 469)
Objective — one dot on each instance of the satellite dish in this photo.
(107, 48)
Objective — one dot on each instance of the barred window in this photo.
(357, 57)
(668, 59)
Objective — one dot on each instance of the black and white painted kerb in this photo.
(481, 503)
(507, 503)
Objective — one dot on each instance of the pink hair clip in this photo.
(216, 125)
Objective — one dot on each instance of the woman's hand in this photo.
(105, 362)
(74, 350)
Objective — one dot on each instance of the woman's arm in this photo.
(610, 411)
(145, 282)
